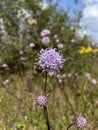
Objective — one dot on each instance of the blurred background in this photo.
(73, 90)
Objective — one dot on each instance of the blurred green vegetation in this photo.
(73, 90)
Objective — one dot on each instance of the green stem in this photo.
(67, 98)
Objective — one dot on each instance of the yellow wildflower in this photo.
(89, 49)
(81, 51)
(85, 50)
(32, 21)
(95, 50)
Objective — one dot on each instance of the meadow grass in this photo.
(73, 96)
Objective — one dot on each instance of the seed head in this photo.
(41, 100)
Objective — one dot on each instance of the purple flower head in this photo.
(57, 40)
(50, 60)
(14, 127)
(55, 36)
(81, 122)
(60, 81)
(94, 81)
(69, 75)
(60, 45)
(6, 81)
(45, 32)
(45, 40)
(64, 75)
(41, 100)
(22, 115)
(4, 65)
(31, 45)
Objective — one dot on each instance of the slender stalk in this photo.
(45, 82)
(46, 117)
(45, 108)
(70, 126)
(67, 98)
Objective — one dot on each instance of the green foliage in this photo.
(19, 32)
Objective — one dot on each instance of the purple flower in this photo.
(57, 40)
(45, 40)
(14, 127)
(55, 36)
(4, 65)
(50, 60)
(6, 81)
(60, 45)
(51, 73)
(41, 100)
(94, 81)
(64, 75)
(22, 115)
(60, 81)
(31, 45)
(81, 122)
(45, 32)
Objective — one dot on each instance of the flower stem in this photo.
(46, 117)
(45, 82)
(70, 126)
(45, 108)
(67, 98)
